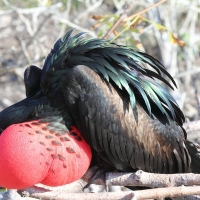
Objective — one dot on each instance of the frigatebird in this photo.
(115, 96)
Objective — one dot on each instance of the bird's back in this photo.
(125, 137)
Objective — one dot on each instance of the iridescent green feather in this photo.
(119, 65)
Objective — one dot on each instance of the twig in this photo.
(66, 15)
(157, 193)
(131, 17)
(21, 65)
(145, 179)
(49, 9)
(24, 47)
(189, 51)
(75, 26)
(143, 11)
(27, 23)
(139, 178)
(89, 9)
(119, 20)
(192, 126)
(187, 73)
(24, 50)
(39, 29)
(198, 101)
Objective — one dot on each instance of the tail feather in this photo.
(194, 150)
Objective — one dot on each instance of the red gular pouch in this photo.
(33, 152)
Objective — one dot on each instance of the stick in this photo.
(157, 193)
(141, 178)
(119, 20)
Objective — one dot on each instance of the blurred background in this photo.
(170, 32)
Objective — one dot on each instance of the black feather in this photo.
(120, 65)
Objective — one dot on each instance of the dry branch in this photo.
(119, 20)
(146, 179)
(189, 72)
(141, 178)
(75, 26)
(157, 193)
(49, 9)
(145, 10)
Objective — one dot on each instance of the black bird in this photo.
(113, 95)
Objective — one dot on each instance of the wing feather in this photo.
(123, 136)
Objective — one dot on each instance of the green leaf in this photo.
(160, 27)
